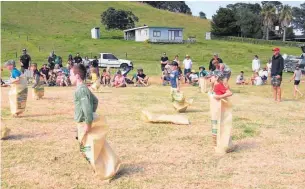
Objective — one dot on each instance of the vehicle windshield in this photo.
(109, 56)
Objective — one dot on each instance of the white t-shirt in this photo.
(239, 79)
(193, 76)
(258, 81)
(298, 75)
(187, 63)
(263, 73)
(256, 64)
(269, 64)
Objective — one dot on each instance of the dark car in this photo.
(291, 62)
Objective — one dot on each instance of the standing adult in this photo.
(51, 60)
(70, 60)
(25, 60)
(164, 61)
(78, 59)
(215, 57)
(276, 73)
(256, 64)
(187, 62)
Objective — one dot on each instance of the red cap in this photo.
(276, 49)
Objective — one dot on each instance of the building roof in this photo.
(152, 27)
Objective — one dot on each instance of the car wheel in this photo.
(124, 66)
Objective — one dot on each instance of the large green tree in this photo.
(285, 19)
(224, 23)
(173, 6)
(249, 23)
(118, 19)
(298, 20)
(269, 16)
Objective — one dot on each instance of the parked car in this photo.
(109, 60)
(290, 61)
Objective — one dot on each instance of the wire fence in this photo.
(259, 41)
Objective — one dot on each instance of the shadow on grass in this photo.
(245, 145)
(127, 170)
(17, 137)
(42, 115)
(193, 111)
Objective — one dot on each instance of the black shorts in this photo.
(296, 82)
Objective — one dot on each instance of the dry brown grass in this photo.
(42, 152)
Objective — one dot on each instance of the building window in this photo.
(157, 34)
(178, 33)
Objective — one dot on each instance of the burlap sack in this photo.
(5, 132)
(97, 151)
(38, 92)
(179, 102)
(156, 118)
(221, 120)
(204, 84)
(18, 96)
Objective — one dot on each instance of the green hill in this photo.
(65, 27)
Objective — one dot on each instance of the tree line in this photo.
(259, 20)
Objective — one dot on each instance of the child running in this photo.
(297, 76)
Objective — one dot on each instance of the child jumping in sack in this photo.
(90, 134)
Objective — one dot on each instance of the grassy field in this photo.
(42, 152)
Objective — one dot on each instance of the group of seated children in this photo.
(192, 77)
(119, 79)
(257, 79)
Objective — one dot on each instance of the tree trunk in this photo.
(284, 35)
(267, 34)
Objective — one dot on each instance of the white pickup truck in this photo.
(109, 60)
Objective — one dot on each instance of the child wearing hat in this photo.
(19, 91)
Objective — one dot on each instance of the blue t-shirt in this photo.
(173, 78)
(15, 73)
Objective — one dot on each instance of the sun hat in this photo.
(10, 62)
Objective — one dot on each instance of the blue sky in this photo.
(210, 7)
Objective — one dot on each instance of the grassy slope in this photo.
(65, 27)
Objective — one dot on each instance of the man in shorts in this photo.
(276, 73)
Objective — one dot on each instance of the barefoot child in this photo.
(91, 133)
(19, 91)
(297, 76)
(221, 114)
(38, 89)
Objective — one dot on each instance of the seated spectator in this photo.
(141, 78)
(193, 77)
(106, 77)
(264, 75)
(119, 80)
(44, 71)
(52, 79)
(202, 72)
(61, 79)
(94, 75)
(57, 69)
(240, 80)
(256, 79)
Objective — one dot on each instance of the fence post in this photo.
(91, 55)
(27, 38)
(126, 55)
(16, 54)
(39, 48)
(11, 32)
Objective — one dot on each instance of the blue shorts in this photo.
(186, 71)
